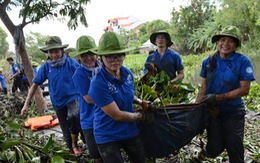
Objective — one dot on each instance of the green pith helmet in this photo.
(69, 50)
(53, 42)
(230, 31)
(162, 32)
(84, 44)
(111, 43)
(35, 64)
(1, 69)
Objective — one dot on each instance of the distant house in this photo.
(146, 47)
(127, 23)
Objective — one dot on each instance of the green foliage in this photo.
(243, 14)
(189, 18)
(137, 39)
(136, 63)
(200, 40)
(34, 40)
(35, 10)
(252, 100)
(19, 144)
(4, 46)
(160, 91)
(157, 25)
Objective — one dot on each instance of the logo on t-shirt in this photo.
(249, 70)
(129, 79)
(112, 88)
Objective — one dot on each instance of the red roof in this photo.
(126, 25)
(117, 18)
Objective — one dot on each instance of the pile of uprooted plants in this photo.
(20, 144)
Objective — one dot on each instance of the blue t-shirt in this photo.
(104, 89)
(15, 69)
(170, 62)
(61, 86)
(82, 78)
(226, 76)
(2, 81)
(35, 71)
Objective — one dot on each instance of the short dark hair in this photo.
(9, 59)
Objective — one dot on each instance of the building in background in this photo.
(123, 23)
(146, 47)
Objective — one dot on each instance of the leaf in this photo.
(48, 144)
(14, 125)
(10, 143)
(20, 154)
(57, 159)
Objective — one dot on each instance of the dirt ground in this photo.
(48, 131)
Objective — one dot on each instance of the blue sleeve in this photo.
(246, 71)
(41, 75)
(100, 93)
(203, 72)
(147, 60)
(81, 82)
(178, 62)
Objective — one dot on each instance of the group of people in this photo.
(18, 76)
(97, 95)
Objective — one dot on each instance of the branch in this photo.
(5, 3)
(5, 18)
(27, 5)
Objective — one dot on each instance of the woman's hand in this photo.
(24, 111)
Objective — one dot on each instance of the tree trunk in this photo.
(39, 100)
(40, 103)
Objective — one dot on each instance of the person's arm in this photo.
(1, 87)
(28, 99)
(202, 91)
(88, 99)
(115, 113)
(237, 93)
(13, 76)
(179, 77)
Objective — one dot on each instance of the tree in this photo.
(4, 46)
(243, 14)
(32, 11)
(188, 19)
(200, 40)
(136, 38)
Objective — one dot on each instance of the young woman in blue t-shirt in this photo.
(112, 90)
(226, 77)
(58, 70)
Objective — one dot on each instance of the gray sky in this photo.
(98, 12)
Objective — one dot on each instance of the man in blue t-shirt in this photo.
(165, 59)
(15, 76)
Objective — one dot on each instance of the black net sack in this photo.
(174, 127)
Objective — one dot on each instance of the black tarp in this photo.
(174, 127)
